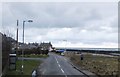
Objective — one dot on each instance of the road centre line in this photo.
(57, 60)
(44, 71)
(60, 67)
(62, 70)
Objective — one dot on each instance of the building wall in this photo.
(0, 54)
(6, 49)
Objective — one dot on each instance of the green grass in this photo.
(99, 65)
(29, 65)
(34, 56)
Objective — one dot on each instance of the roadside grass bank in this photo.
(100, 65)
(34, 56)
(29, 66)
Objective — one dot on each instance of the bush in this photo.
(33, 51)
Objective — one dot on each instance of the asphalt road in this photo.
(58, 65)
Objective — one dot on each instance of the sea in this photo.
(101, 49)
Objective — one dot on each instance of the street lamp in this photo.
(65, 45)
(23, 41)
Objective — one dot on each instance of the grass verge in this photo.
(100, 65)
(29, 66)
(34, 56)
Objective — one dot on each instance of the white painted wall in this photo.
(0, 54)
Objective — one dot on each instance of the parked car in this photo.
(62, 54)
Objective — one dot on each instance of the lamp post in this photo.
(23, 43)
(65, 45)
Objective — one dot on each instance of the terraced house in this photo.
(46, 46)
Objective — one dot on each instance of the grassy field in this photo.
(29, 65)
(100, 65)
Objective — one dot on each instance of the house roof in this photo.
(45, 44)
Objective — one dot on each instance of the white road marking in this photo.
(44, 71)
(1, 75)
(59, 65)
(62, 70)
(65, 75)
(57, 60)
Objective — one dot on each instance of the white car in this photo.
(62, 54)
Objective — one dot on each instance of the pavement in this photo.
(56, 65)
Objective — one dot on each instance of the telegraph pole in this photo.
(23, 46)
(17, 38)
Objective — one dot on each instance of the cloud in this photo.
(73, 35)
(81, 24)
(82, 45)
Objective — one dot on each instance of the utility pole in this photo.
(17, 38)
(23, 48)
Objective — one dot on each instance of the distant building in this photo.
(46, 46)
(27, 46)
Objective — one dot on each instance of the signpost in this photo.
(12, 61)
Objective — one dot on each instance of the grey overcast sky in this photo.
(82, 24)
